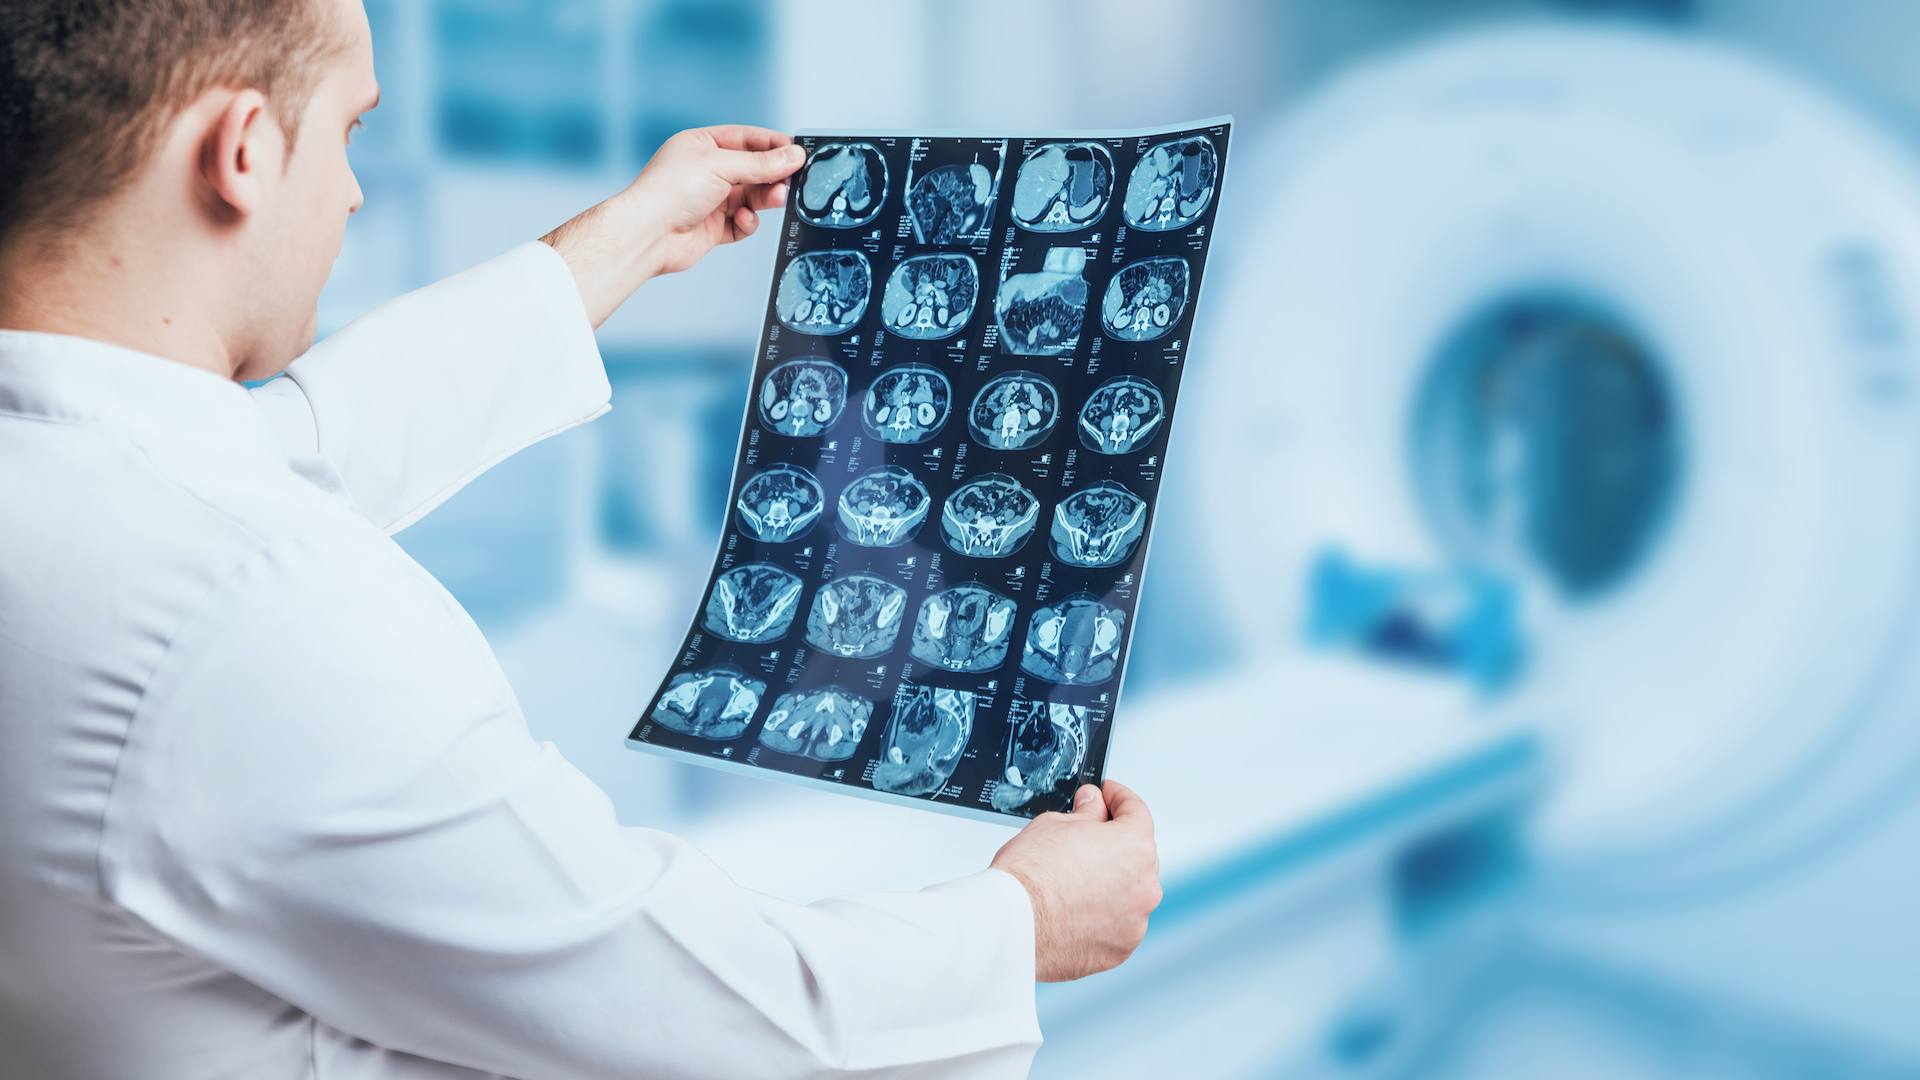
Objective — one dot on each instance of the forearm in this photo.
(704, 187)
(611, 252)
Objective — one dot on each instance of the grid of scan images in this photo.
(948, 471)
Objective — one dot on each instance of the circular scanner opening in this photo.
(1546, 443)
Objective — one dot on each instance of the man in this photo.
(269, 806)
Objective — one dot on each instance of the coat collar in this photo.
(161, 405)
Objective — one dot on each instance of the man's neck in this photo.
(103, 283)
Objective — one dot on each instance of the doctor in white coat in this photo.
(268, 807)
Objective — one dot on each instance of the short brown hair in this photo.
(87, 87)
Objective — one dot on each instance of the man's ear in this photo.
(242, 155)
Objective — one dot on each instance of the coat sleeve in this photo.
(412, 400)
(331, 792)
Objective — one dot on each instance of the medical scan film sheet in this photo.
(947, 475)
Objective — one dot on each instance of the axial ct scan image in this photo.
(952, 204)
(858, 615)
(930, 604)
(1014, 411)
(1098, 525)
(1121, 416)
(1172, 184)
(965, 628)
(928, 730)
(907, 404)
(1040, 314)
(824, 292)
(780, 503)
(1075, 642)
(1145, 299)
(883, 508)
(754, 603)
(803, 398)
(1045, 750)
(842, 185)
(714, 704)
(989, 517)
(824, 724)
(1063, 187)
(931, 296)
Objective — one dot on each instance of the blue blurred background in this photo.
(1526, 685)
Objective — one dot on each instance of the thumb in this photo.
(757, 166)
(1089, 801)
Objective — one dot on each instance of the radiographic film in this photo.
(932, 603)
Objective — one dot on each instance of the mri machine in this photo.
(1557, 439)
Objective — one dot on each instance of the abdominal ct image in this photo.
(1063, 187)
(1040, 314)
(1098, 525)
(1121, 415)
(952, 204)
(1145, 299)
(824, 724)
(803, 398)
(907, 404)
(779, 504)
(965, 628)
(925, 736)
(1013, 411)
(1045, 749)
(883, 508)
(714, 704)
(824, 292)
(931, 296)
(1172, 184)
(990, 517)
(1075, 642)
(842, 185)
(754, 603)
(858, 616)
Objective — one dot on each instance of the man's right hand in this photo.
(1093, 875)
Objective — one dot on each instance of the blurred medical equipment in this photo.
(1575, 363)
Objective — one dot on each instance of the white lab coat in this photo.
(268, 807)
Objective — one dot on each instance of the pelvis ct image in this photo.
(1013, 411)
(952, 204)
(842, 185)
(1145, 299)
(965, 628)
(925, 736)
(1075, 642)
(1063, 187)
(803, 398)
(1098, 525)
(883, 508)
(824, 292)
(989, 517)
(1045, 749)
(1040, 314)
(1121, 416)
(754, 603)
(779, 504)
(907, 404)
(857, 616)
(824, 724)
(931, 296)
(714, 704)
(1172, 184)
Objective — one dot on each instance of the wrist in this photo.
(1044, 931)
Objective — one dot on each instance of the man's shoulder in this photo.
(100, 535)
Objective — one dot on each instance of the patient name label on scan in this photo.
(934, 476)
